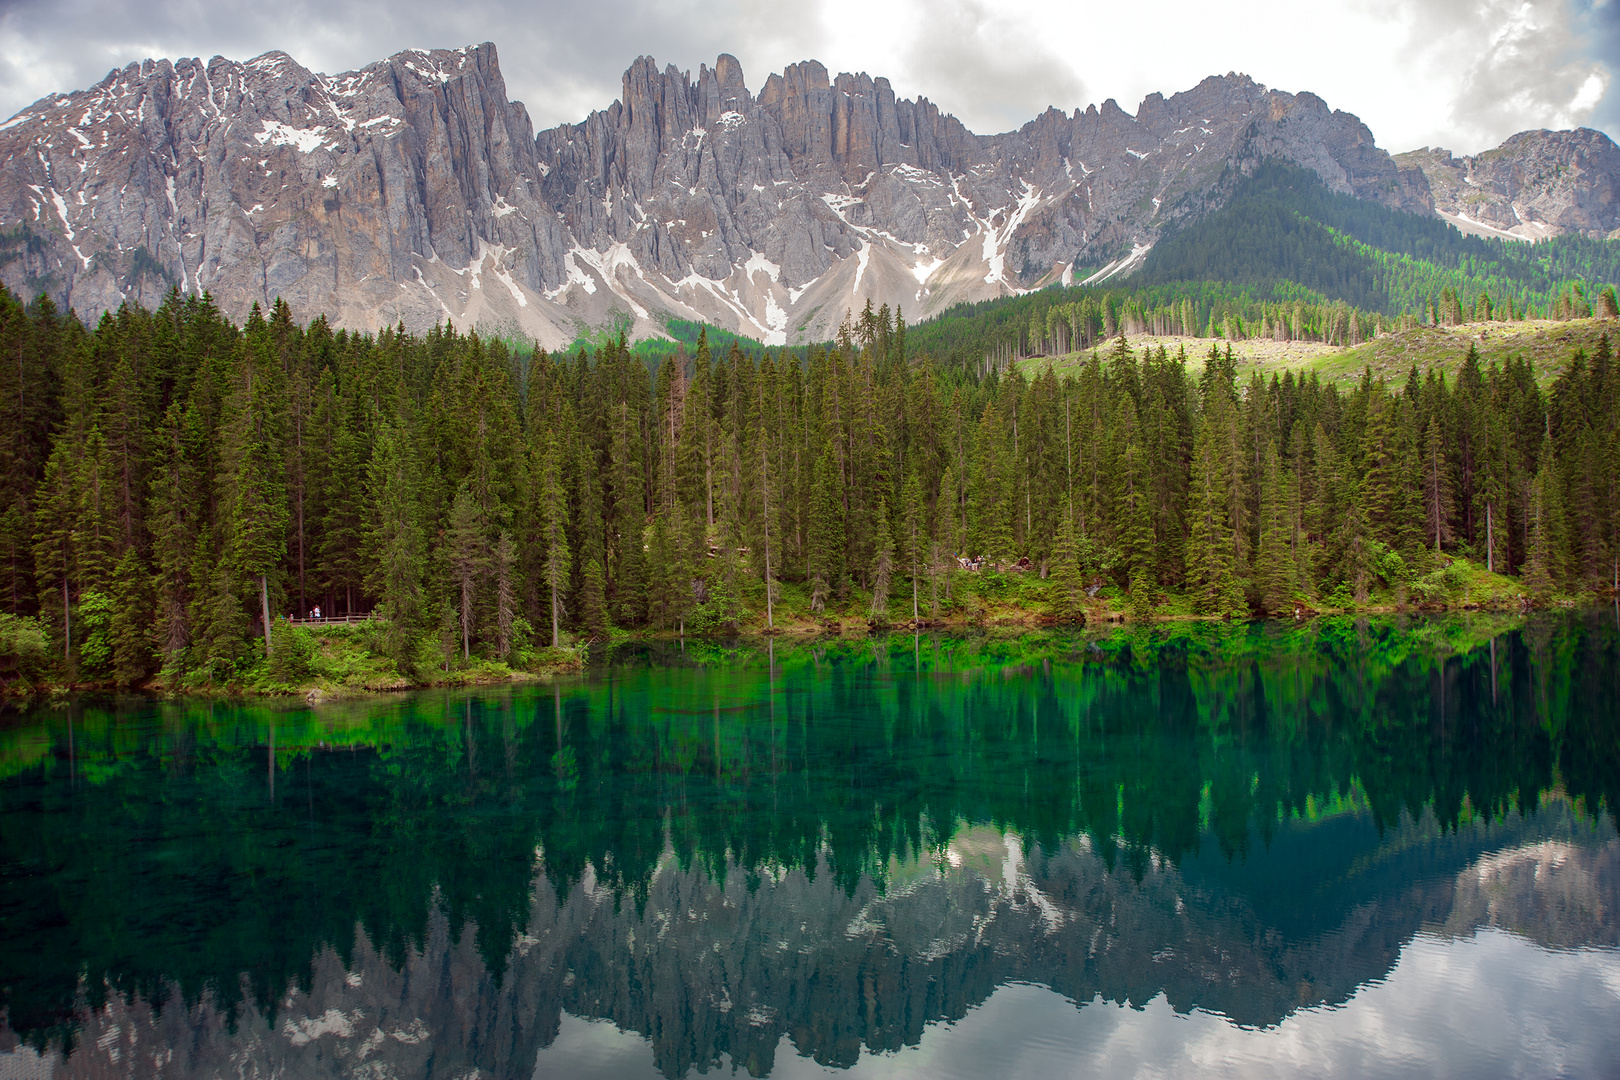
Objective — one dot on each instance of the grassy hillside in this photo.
(1286, 257)
(1547, 345)
(1283, 227)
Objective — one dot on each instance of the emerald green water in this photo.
(1375, 847)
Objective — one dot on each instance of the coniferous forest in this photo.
(1288, 260)
(172, 483)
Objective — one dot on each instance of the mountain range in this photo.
(413, 191)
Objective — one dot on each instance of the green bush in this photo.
(1141, 599)
(1440, 586)
(1388, 565)
(25, 648)
(292, 658)
(94, 616)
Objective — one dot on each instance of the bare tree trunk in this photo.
(556, 637)
(466, 620)
(264, 606)
(1490, 543)
(765, 489)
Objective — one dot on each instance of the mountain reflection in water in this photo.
(903, 855)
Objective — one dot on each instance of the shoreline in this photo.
(797, 630)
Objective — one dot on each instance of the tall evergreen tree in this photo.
(553, 531)
(882, 564)
(1274, 563)
(1211, 557)
(826, 539)
(254, 469)
(394, 542)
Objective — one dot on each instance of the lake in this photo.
(1348, 847)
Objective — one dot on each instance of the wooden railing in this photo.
(328, 620)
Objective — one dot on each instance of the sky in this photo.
(1462, 74)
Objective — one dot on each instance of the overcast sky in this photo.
(1463, 74)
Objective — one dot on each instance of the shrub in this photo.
(25, 648)
(95, 618)
(1388, 565)
(292, 659)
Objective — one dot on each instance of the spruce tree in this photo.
(593, 601)
(882, 565)
(465, 552)
(661, 574)
(394, 542)
(1544, 512)
(172, 520)
(504, 562)
(627, 575)
(553, 531)
(1211, 559)
(254, 471)
(1274, 564)
(131, 620)
(826, 533)
(1068, 583)
(1439, 503)
(947, 533)
(915, 546)
(56, 510)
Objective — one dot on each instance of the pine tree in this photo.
(394, 544)
(553, 531)
(1068, 583)
(467, 557)
(1544, 513)
(593, 602)
(171, 517)
(947, 534)
(1210, 556)
(53, 550)
(504, 561)
(882, 565)
(131, 620)
(662, 574)
(627, 551)
(915, 544)
(1439, 503)
(254, 470)
(989, 510)
(1274, 564)
(1133, 531)
(339, 472)
(826, 533)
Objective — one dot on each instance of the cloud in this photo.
(1458, 73)
(560, 58)
(1001, 70)
(1487, 1005)
(1514, 64)
(1602, 21)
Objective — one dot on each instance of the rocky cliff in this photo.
(741, 966)
(1535, 185)
(413, 190)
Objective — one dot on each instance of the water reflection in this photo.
(853, 856)
(1555, 1016)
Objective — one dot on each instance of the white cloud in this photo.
(1507, 65)
(1489, 1005)
(1459, 73)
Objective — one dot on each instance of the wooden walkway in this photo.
(327, 620)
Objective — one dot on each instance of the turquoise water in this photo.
(1352, 847)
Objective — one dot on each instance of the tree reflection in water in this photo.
(719, 850)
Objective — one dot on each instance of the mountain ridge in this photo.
(412, 190)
